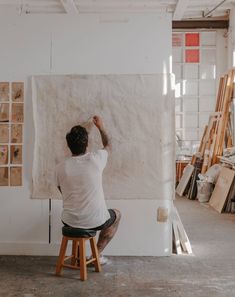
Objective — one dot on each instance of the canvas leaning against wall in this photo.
(138, 113)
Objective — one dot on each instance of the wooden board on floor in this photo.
(188, 171)
(231, 196)
(179, 233)
(222, 187)
(176, 238)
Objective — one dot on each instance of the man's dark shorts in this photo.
(109, 222)
(106, 225)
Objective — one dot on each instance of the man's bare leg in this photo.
(107, 234)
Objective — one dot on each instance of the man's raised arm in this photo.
(97, 120)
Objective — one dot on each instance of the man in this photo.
(79, 179)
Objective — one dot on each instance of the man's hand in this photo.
(97, 120)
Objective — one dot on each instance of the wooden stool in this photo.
(78, 237)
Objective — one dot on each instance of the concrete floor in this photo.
(209, 273)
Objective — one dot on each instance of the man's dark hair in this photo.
(77, 140)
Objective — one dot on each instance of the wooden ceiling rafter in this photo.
(180, 9)
(70, 7)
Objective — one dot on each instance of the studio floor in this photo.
(208, 273)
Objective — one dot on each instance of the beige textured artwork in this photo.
(4, 91)
(17, 112)
(4, 133)
(17, 91)
(16, 176)
(4, 112)
(3, 154)
(3, 176)
(16, 154)
(138, 111)
(17, 133)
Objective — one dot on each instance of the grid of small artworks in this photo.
(194, 56)
(11, 133)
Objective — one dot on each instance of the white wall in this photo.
(231, 38)
(221, 51)
(87, 44)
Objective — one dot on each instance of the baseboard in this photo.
(46, 249)
(29, 249)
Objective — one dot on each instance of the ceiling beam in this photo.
(180, 9)
(201, 24)
(70, 6)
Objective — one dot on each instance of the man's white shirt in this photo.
(80, 180)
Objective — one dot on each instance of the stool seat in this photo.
(77, 232)
(78, 258)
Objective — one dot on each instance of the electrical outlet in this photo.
(162, 214)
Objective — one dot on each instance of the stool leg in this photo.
(74, 253)
(82, 257)
(95, 254)
(60, 260)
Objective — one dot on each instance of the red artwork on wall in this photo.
(192, 56)
(192, 39)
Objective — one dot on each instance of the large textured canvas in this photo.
(138, 112)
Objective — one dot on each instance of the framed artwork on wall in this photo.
(17, 113)
(17, 92)
(16, 154)
(4, 176)
(4, 112)
(4, 133)
(16, 176)
(4, 91)
(16, 133)
(11, 133)
(3, 154)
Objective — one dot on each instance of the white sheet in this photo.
(138, 111)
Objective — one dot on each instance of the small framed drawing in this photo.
(17, 112)
(4, 173)
(16, 133)
(17, 92)
(3, 154)
(4, 91)
(4, 112)
(4, 133)
(16, 154)
(16, 176)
